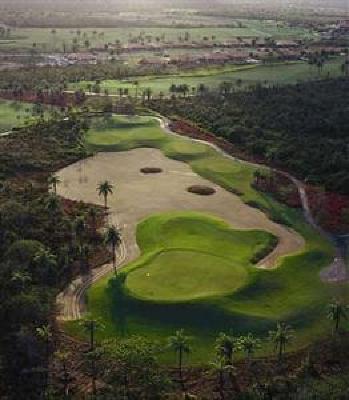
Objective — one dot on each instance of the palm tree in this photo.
(53, 181)
(63, 357)
(83, 252)
(220, 366)
(337, 311)
(113, 238)
(79, 227)
(249, 344)
(179, 343)
(46, 266)
(226, 345)
(52, 204)
(20, 280)
(92, 214)
(104, 189)
(90, 326)
(281, 337)
(45, 334)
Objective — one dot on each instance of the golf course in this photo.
(234, 261)
(241, 75)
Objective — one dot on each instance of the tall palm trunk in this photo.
(114, 258)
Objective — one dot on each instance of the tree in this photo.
(45, 266)
(63, 357)
(336, 312)
(131, 369)
(281, 336)
(90, 326)
(92, 215)
(44, 333)
(53, 204)
(53, 181)
(113, 239)
(179, 343)
(104, 189)
(220, 366)
(249, 344)
(79, 227)
(225, 346)
(20, 281)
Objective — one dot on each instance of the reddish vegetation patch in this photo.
(57, 99)
(280, 187)
(201, 190)
(151, 170)
(331, 210)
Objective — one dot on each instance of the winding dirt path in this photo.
(137, 196)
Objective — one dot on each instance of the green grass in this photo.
(23, 38)
(189, 256)
(268, 74)
(14, 114)
(254, 300)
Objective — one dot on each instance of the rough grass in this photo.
(292, 292)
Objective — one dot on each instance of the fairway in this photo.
(192, 267)
(269, 74)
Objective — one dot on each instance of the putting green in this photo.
(179, 275)
(199, 257)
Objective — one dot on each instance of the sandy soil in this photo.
(137, 196)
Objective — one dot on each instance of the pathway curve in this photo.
(337, 271)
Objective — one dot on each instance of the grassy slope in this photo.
(273, 73)
(293, 291)
(14, 114)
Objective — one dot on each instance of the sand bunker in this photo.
(201, 190)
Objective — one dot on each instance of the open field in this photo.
(286, 73)
(45, 40)
(14, 114)
(256, 299)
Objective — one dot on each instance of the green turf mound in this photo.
(179, 275)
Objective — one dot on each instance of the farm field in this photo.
(254, 300)
(45, 40)
(287, 73)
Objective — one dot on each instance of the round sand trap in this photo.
(151, 170)
(201, 190)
